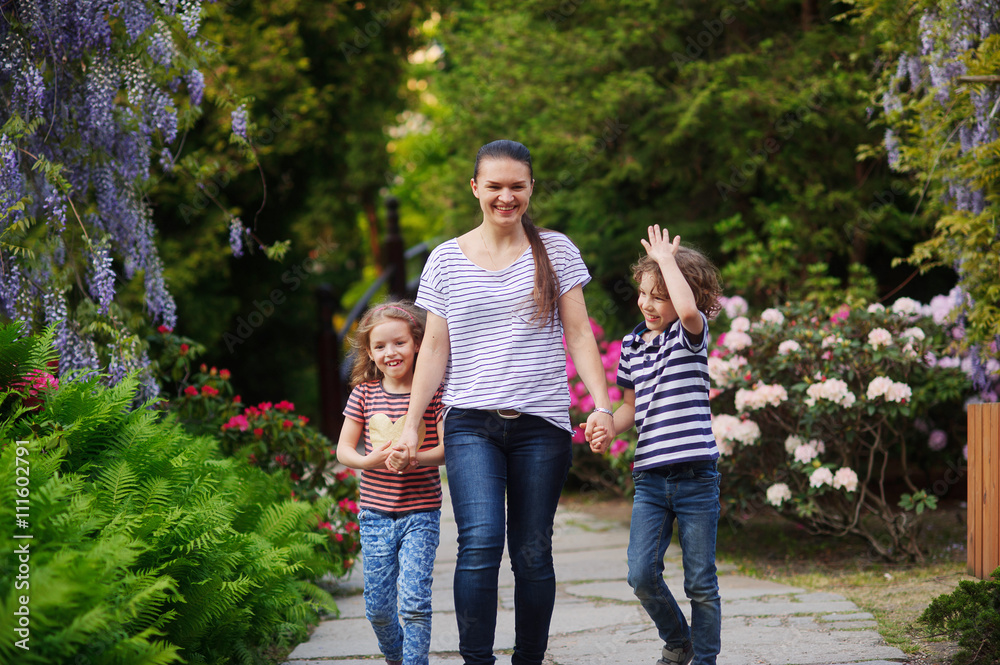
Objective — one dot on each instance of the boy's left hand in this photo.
(660, 248)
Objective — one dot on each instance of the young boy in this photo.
(664, 371)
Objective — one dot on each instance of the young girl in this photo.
(400, 501)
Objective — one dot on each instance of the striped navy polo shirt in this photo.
(672, 412)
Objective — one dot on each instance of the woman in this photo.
(499, 300)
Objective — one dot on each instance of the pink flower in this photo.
(579, 436)
(348, 506)
(238, 422)
(287, 424)
(209, 391)
(840, 315)
(283, 460)
(586, 403)
(264, 407)
(573, 399)
(325, 525)
(570, 367)
(615, 393)
(937, 440)
(164, 330)
(191, 391)
(618, 447)
(284, 405)
(598, 330)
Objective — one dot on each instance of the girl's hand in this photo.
(659, 248)
(398, 459)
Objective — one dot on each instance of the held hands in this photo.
(600, 430)
(660, 248)
(398, 459)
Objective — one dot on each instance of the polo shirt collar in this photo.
(635, 337)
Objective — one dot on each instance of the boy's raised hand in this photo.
(660, 247)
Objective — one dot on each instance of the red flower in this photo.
(296, 477)
(191, 391)
(288, 424)
(164, 330)
(209, 391)
(224, 374)
(203, 368)
(348, 505)
(237, 399)
(325, 525)
(352, 526)
(184, 349)
(258, 432)
(339, 537)
(303, 420)
(284, 405)
(252, 411)
(239, 422)
(213, 372)
(341, 476)
(264, 407)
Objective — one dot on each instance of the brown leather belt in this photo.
(509, 414)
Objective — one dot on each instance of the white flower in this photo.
(777, 494)
(913, 333)
(876, 307)
(724, 372)
(818, 445)
(879, 337)
(736, 340)
(740, 324)
(883, 386)
(845, 478)
(735, 306)
(830, 340)
(941, 307)
(787, 347)
(834, 390)
(906, 306)
(805, 453)
(821, 476)
(759, 397)
(771, 315)
(747, 433)
(791, 443)
(898, 392)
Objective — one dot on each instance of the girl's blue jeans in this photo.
(398, 570)
(491, 461)
(687, 493)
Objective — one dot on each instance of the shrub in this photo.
(815, 412)
(971, 615)
(148, 545)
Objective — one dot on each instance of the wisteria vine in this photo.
(933, 83)
(92, 92)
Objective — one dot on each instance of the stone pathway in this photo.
(597, 620)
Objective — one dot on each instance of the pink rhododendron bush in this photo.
(849, 422)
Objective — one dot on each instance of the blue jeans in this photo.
(524, 460)
(399, 563)
(689, 494)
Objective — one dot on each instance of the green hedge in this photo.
(147, 544)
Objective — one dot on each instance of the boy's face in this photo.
(655, 305)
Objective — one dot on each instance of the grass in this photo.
(770, 547)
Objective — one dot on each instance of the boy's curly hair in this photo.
(700, 273)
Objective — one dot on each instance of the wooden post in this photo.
(983, 552)
(392, 249)
(328, 359)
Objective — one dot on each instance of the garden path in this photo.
(597, 620)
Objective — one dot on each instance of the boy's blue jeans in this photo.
(398, 568)
(688, 493)
(495, 464)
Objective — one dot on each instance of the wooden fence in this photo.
(984, 490)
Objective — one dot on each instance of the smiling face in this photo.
(392, 349)
(655, 305)
(503, 187)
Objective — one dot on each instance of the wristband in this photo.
(600, 410)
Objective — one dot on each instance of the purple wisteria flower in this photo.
(239, 120)
(102, 277)
(236, 233)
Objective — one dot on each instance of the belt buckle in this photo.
(508, 414)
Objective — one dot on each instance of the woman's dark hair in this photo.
(546, 291)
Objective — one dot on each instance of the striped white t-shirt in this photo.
(672, 412)
(499, 358)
